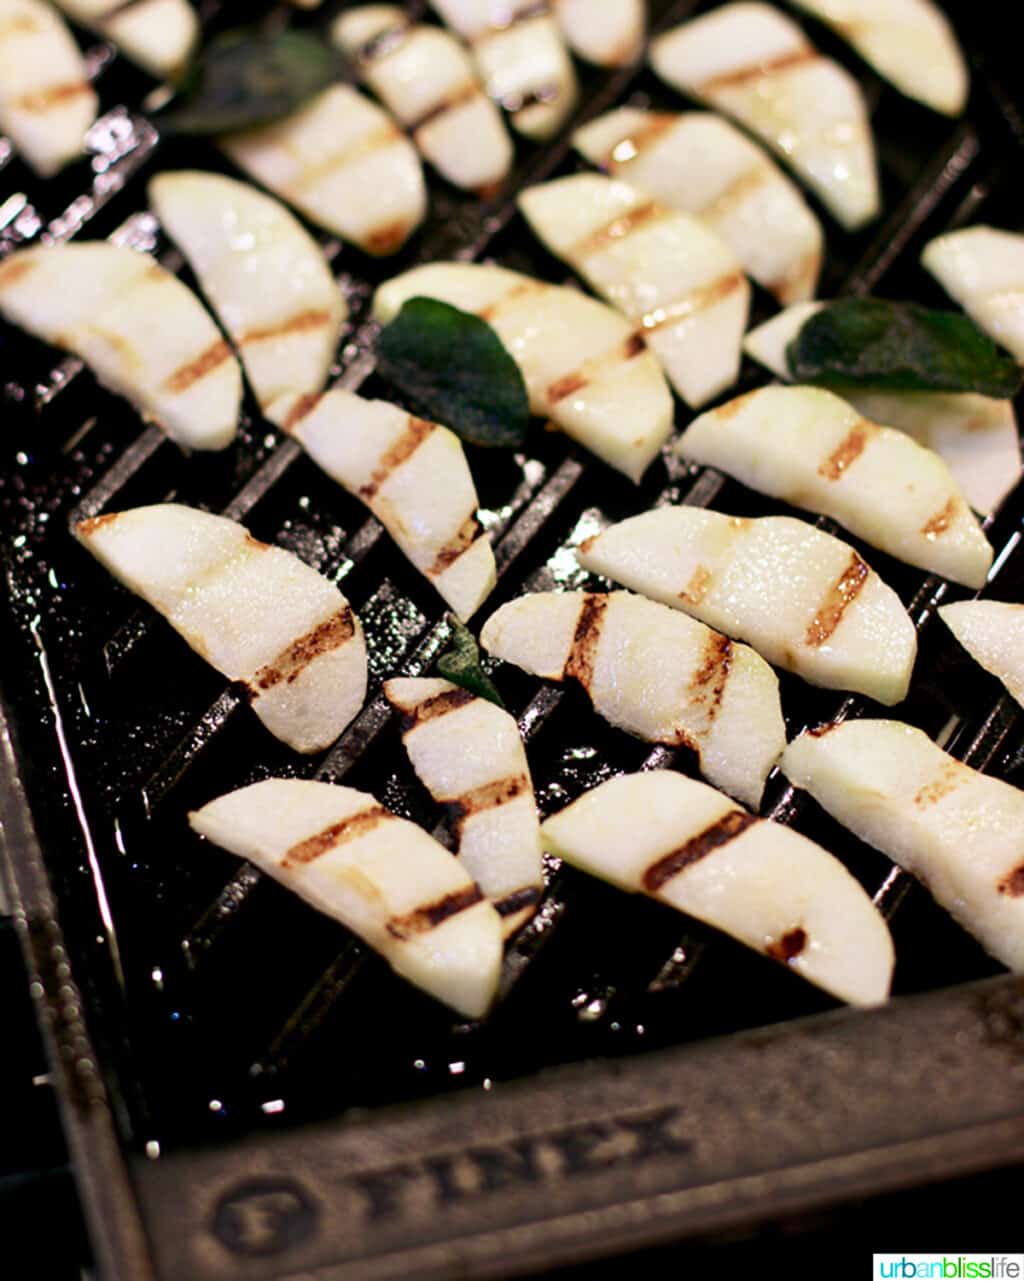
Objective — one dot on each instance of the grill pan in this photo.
(247, 1091)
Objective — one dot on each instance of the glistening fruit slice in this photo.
(982, 268)
(157, 34)
(610, 33)
(992, 632)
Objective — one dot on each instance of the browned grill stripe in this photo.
(303, 322)
(949, 778)
(384, 43)
(740, 189)
(586, 638)
(14, 270)
(514, 295)
(619, 228)
(571, 383)
(819, 731)
(848, 450)
(567, 386)
(938, 524)
(698, 586)
(466, 535)
(708, 685)
(753, 71)
(518, 900)
(381, 136)
(488, 797)
(329, 635)
(46, 99)
(302, 408)
(440, 705)
(789, 946)
(388, 237)
(720, 833)
(21, 24)
(416, 432)
(188, 375)
(843, 592)
(86, 528)
(424, 919)
(1013, 885)
(450, 102)
(627, 149)
(345, 830)
(694, 303)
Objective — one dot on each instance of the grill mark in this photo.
(1013, 885)
(848, 450)
(789, 946)
(693, 303)
(302, 322)
(518, 900)
(628, 148)
(14, 270)
(457, 546)
(46, 99)
(754, 71)
(523, 99)
(431, 708)
(452, 100)
(732, 407)
(586, 638)
(424, 919)
(383, 43)
(720, 833)
(741, 187)
(388, 237)
(188, 375)
(416, 432)
(381, 136)
(514, 294)
(820, 731)
(340, 833)
(86, 528)
(490, 796)
(566, 386)
(938, 524)
(707, 687)
(698, 586)
(571, 383)
(948, 780)
(302, 408)
(23, 24)
(841, 595)
(329, 635)
(619, 228)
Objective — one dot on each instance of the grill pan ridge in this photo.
(250, 1093)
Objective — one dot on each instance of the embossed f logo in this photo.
(264, 1216)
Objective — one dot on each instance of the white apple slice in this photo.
(676, 280)
(610, 34)
(958, 831)
(982, 268)
(256, 613)
(803, 599)
(46, 101)
(681, 842)
(344, 164)
(413, 476)
(522, 59)
(992, 632)
(425, 77)
(654, 673)
(976, 436)
(810, 448)
(380, 875)
(264, 274)
(468, 754)
(702, 165)
(910, 42)
(752, 62)
(145, 335)
(157, 34)
(585, 367)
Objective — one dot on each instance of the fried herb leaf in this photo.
(460, 664)
(245, 77)
(868, 342)
(452, 368)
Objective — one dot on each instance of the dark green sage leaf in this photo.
(246, 78)
(460, 664)
(452, 368)
(867, 342)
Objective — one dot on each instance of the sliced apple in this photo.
(654, 673)
(46, 101)
(804, 600)
(264, 274)
(344, 164)
(584, 365)
(425, 77)
(256, 613)
(379, 875)
(810, 448)
(753, 63)
(909, 42)
(610, 34)
(157, 34)
(681, 842)
(982, 268)
(957, 830)
(676, 280)
(976, 436)
(702, 165)
(522, 59)
(992, 632)
(413, 476)
(145, 334)
(468, 754)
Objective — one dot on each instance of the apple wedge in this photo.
(753, 63)
(256, 613)
(379, 875)
(610, 34)
(468, 754)
(909, 42)
(413, 476)
(681, 842)
(264, 274)
(992, 632)
(585, 367)
(46, 101)
(159, 35)
(810, 448)
(976, 436)
(958, 831)
(344, 164)
(654, 673)
(145, 335)
(803, 599)
(677, 281)
(425, 77)
(982, 268)
(522, 58)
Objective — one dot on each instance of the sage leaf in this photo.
(461, 665)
